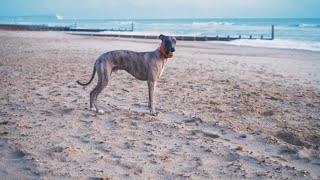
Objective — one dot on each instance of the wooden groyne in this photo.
(180, 38)
(95, 32)
(19, 27)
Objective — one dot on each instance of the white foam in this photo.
(59, 17)
(212, 23)
(278, 43)
(151, 33)
(309, 25)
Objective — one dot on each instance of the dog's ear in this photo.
(161, 36)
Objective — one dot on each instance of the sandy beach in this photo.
(226, 112)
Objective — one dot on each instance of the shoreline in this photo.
(119, 33)
(232, 40)
(151, 38)
(225, 111)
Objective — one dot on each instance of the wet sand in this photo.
(226, 112)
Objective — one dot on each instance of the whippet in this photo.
(145, 66)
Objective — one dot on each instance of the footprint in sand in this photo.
(294, 154)
(66, 111)
(17, 154)
(7, 123)
(290, 138)
(40, 96)
(123, 146)
(128, 145)
(286, 150)
(204, 134)
(193, 120)
(57, 149)
(198, 162)
(315, 140)
(46, 113)
(56, 153)
(268, 113)
(229, 157)
(86, 115)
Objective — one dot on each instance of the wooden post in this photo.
(272, 32)
(132, 26)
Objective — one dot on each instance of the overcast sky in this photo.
(145, 9)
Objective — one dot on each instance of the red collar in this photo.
(164, 53)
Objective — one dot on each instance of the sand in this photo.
(226, 112)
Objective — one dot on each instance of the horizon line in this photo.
(173, 18)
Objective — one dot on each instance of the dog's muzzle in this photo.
(170, 51)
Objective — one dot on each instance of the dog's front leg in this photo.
(152, 87)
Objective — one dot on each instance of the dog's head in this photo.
(168, 43)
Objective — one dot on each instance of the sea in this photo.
(298, 33)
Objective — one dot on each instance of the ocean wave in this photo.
(125, 22)
(119, 22)
(213, 23)
(303, 25)
(59, 17)
(310, 25)
(157, 24)
(278, 43)
(152, 33)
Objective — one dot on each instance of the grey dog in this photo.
(145, 66)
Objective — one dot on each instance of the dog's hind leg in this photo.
(104, 75)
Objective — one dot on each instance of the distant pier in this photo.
(95, 32)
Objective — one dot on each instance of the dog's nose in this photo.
(173, 49)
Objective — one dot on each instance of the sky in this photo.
(152, 9)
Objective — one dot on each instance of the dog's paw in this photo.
(93, 109)
(100, 111)
(154, 113)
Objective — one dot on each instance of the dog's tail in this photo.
(93, 74)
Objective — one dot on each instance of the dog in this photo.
(145, 66)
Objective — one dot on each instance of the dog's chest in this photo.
(162, 68)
